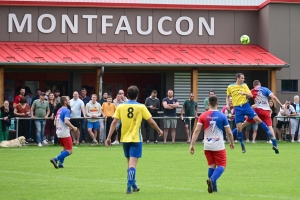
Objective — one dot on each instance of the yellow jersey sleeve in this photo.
(228, 92)
(146, 113)
(246, 89)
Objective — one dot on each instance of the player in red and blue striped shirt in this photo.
(213, 122)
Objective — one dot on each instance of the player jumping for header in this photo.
(262, 108)
(239, 92)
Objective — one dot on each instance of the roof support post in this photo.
(194, 82)
(1, 85)
(97, 85)
(98, 88)
(273, 81)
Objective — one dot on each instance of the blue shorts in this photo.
(132, 149)
(242, 111)
(93, 125)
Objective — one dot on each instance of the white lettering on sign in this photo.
(12, 19)
(210, 30)
(52, 22)
(164, 24)
(139, 25)
(90, 22)
(190, 27)
(105, 23)
(126, 27)
(160, 25)
(66, 20)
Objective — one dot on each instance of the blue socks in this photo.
(62, 155)
(234, 133)
(217, 173)
(265, 127)
(131, 178)
(240, 138)
(210, 173)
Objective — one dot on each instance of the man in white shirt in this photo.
(286, 111)
(77, 106)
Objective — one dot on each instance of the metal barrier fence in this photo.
(17, 119)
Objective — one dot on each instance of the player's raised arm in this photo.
(273, 97)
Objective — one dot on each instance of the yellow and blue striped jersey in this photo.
(131, 114)
(235, 90)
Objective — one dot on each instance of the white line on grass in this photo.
(146, 185)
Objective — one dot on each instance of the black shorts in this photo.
(75, 122)
(282, 123)
(187, 122)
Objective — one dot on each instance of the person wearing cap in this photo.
(40, 110)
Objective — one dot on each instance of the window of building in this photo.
(289, 85)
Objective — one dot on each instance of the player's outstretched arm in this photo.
(274, 98)
(111, 131)
(154, 126)
(194, 138)
(230, 136)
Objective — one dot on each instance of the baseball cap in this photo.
(43, 93)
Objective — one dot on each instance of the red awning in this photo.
(136, 55)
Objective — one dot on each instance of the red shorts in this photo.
(264, 115)
(66, 142)
(216, 157)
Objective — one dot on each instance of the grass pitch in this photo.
(165, 172)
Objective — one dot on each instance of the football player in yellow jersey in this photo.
(239, 92)
(131, 114)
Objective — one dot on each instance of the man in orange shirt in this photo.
(108, 110)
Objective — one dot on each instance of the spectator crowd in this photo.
(94, 116)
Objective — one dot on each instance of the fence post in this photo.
(17, 126)
(105, 129)
(190, 133)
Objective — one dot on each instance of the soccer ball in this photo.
(245, 39)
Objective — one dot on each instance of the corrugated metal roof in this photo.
(180, 2)
(93, 54)
(152, 4)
